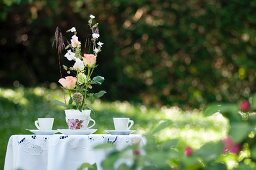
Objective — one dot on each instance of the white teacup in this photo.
(72, 116)
(44, 123)
(123, 123)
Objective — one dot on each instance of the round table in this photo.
(62, 152)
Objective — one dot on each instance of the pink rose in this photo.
(245, 106)
(68, 82)
(230, 145)
(188, 151)
(89, 60)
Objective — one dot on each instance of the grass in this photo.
(20, 107)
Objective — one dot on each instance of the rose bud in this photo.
(245, 106)
(230, 145)
(136, 152)
(188, 151)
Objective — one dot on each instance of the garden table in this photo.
(62, 152)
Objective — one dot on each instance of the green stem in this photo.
(91, 71)
(88, 73)
(84, 96)
(69, 93)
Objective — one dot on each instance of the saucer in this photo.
(42, 132)
(77, 131)
(119, 132)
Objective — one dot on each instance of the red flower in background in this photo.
(136, 152)
(230, 145)
(245, 106)
(188, 151)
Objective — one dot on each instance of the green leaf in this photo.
(161, 126)
(254, 152)
(70, 101)
(243, 166)
(97, 80)
(100, 94)
(211, 109)
(123, 166)
(110, 160)
(191, 163)
(222, 108)
(239, 131)
(104, 146)
(169, 144)
(57, 102)
(210, 151)
(253, 103)
(217, 166)
(87, 165)
(230, 111)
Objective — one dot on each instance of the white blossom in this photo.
(74, 41)
(73, 29)
(79, 64)
(100, 44)
(70, 55)
(92, 16)
(96, 50)
(95, 35)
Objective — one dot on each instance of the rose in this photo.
(245, 106)
(89, 60)
(188, 151)
(230, 145)
(68, 82)
(136, 152)
(81, 78)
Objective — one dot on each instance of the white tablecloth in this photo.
(60, 152)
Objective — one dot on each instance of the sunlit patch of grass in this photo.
(193, 128)
(20, 107)
(17, 97)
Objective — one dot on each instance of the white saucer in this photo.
(119, 132)
(77, 131)
(42, 132)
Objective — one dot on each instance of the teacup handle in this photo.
(131, 122)
(37, 125)
(92, 124)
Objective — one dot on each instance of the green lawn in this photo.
(20, 107)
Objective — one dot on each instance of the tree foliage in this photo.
(157, 52)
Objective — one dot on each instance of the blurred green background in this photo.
(156, 54)
(186, 52)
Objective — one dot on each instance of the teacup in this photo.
(79, 119)
(123, 123)
(44, 123)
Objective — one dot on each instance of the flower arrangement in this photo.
(79, 81)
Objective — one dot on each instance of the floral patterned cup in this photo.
(79, 119)
(79, 124)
